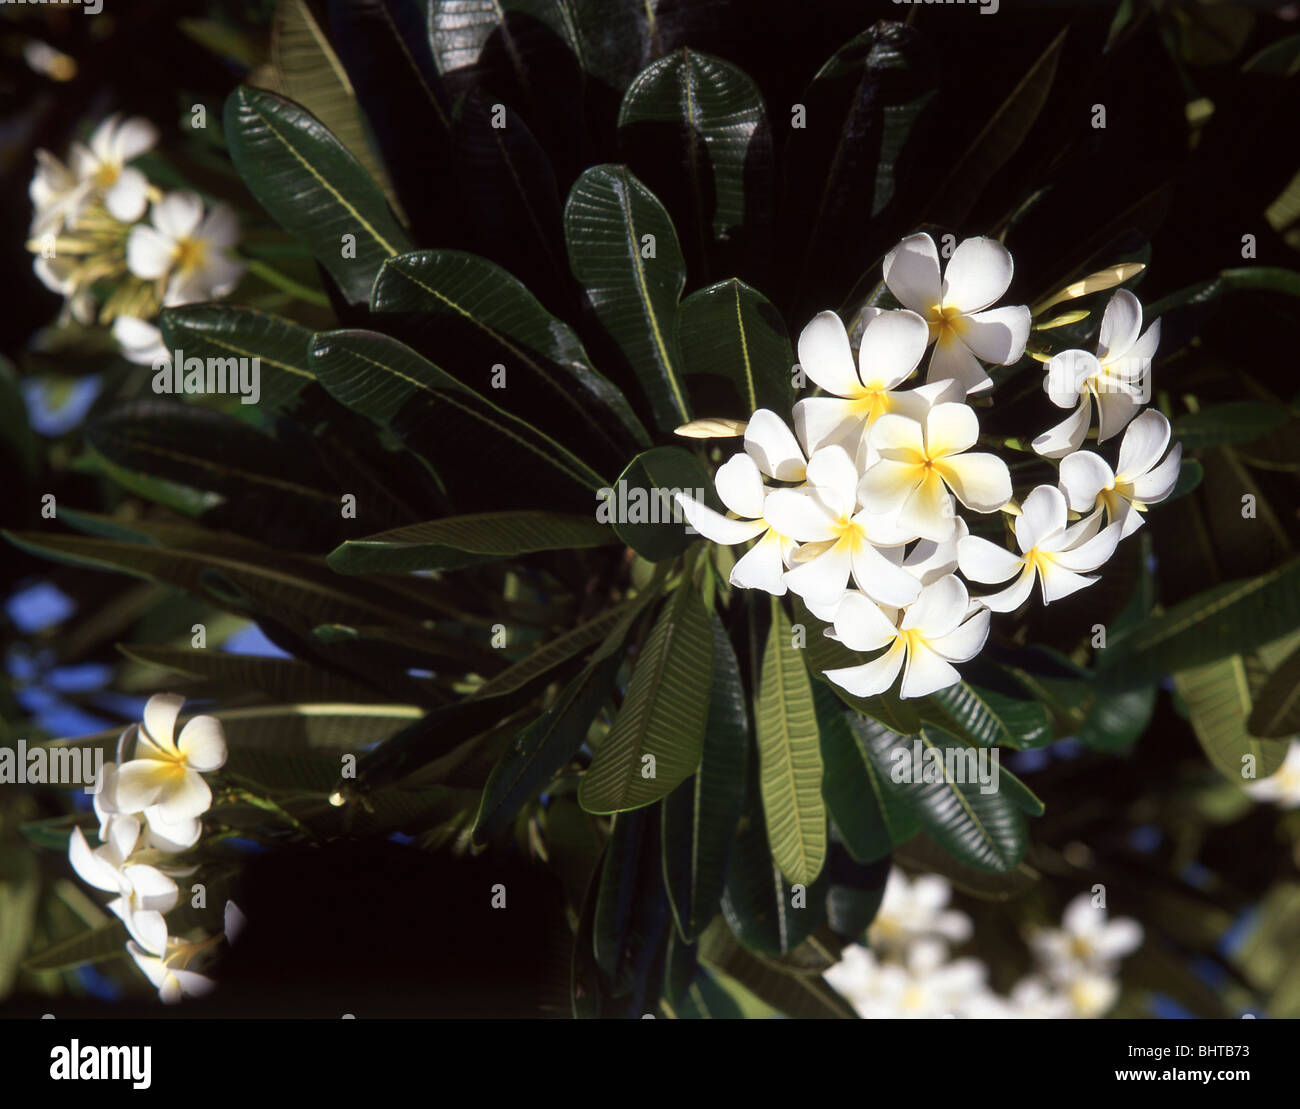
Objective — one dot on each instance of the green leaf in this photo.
(543, 749)
(700, 816)
(1219, 697)
(92, 946)
(790, 761)
(313, 187)
(663, 715)
(999, 139)
(623, 250)
(1276, 711)
(224, 331)
(1269, 278)
(988, 718)
(1221, 622)
(984, 830)
(438, 544)
(443, 419)
(869, 818)
(793, 993)
(733, 331)
(700, 130)
(476, 315)
(1241, 421)
(758, 904)
(641, 505)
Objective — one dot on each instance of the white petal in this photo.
(220, 227)
(1117, 409)
(883, 580)
(967, 640)
(156, 891)
(799, 514)
(893, 344)
(950, 429)
(148, 252)
(188, 796)
(772, 445)
(91, 868)
(954, 360)
(1092, 553)
(825, 356)
(998, 336)
(938, 609)
(178, 214)
(1120, 325)
(986, 562)
(823, 421)
(981, 481)
(930, 561)
(713, 525)
(147, 928)
(1067, 436)
(203, 744)
(126, 199)
(1119, 938)
(926, 672)
(761, 567)
(1014, 595)
(871, 677)
(1159, 483)
(134, 137)
(1058, 582)
(978, 273)
(860, 625)
(1142, 446)
(1083, 476)
(1067, 374)
(911, 272)
(915, 403)
(192, 984)
(833, 473)
(824, 578)
(740, 486)
(1042, 515)
(140, 782)
(929, 510)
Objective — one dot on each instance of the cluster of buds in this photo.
(150, 805)
(858, 510)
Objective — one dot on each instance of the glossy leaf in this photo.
(641, 505)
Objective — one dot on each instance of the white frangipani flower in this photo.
(926, 985)
(144, 893)
(164, 779)
(186, 250)
(1057, 555)
(1116, 377)
(102, 163)
(1142, 479)
(140, 341)
(939, 628)
(965, 331)
(1282, 787)
(891, 348)
(166, 964)
(1087, 943)
(740, 487)
(915, 909)
(841, 539)
(921, 460)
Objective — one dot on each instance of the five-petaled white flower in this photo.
(1140, 480)
(916, 908)
(186, 250)
(1117, 377)
(939, 628)
(1087, 943)
(144, 893)
(956, 307)
(921, 460)
(839, 538)
(1057, 555)
(924, 985)
(890, 349)
(164, 779)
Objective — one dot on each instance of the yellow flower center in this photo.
(190, 254)
(913, 997)
(847, 531)
(946, 323)
(107, 175)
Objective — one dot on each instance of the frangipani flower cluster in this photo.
(101, 231)
(905, 969)
(149, 808)
(865, 508)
